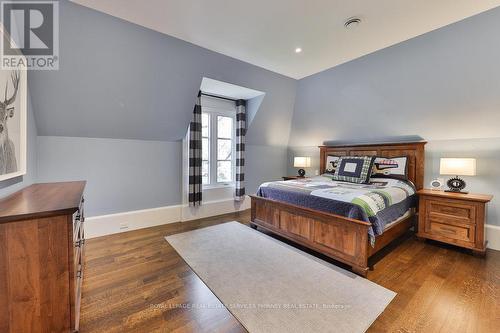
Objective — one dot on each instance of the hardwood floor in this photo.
(136, 282)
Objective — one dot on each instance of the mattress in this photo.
(381, 202)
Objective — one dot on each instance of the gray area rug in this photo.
(270, 286)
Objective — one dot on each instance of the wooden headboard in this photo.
(413, 150)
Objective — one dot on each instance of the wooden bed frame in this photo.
(338, 237)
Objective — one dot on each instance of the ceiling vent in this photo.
(352, 22)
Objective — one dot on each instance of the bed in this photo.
(309, 212)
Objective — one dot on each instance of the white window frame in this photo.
(213, 112)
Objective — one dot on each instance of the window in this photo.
(205, 148)
(218, 142)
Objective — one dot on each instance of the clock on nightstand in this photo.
(453, 218)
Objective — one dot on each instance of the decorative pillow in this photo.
(396, 167)
(331, 164)
(354, 169)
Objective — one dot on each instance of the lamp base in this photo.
(459, 192)
(455, 184)
(302, 172)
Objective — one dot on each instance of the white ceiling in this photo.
(224, 89)
(266, 32)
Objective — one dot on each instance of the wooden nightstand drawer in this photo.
(451, 212)
(461, 233)
(453, 218)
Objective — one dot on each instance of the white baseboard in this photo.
(214, 208)
(121, 222)
(103, 225)
(493, 236)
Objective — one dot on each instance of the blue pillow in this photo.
(354, 169)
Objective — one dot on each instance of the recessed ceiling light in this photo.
(298, 50)
(352, 22)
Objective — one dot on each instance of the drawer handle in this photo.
(448, 230)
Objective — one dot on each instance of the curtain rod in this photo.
(215, 96)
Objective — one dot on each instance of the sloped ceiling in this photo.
(266, 33)
(442, 85)
(120, 80)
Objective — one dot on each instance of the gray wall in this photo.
(115, 112)
(11, 185)
(264, 163)
(443, 86)
(120, 80)
(487, 153)
(122, 175)
(134, 89)
(125, 175)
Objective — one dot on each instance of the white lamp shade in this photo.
(458, 166)
(302, 162)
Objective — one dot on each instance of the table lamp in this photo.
(457, 167)
(302, 162)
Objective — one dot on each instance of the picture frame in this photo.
(13, 119)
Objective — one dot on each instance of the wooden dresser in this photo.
(453, 218)
(41, 258)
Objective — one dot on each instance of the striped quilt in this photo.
(380, 202)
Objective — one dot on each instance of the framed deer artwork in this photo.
(13, 120)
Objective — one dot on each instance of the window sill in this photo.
(214, 186)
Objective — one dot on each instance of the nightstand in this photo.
(453, 218)
(292, 177)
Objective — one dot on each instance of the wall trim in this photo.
(493, 236)
(214, 208)
(102, 225)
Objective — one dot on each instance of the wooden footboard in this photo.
(338, 237)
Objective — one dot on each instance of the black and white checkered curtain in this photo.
(195, 155)
(241, 128)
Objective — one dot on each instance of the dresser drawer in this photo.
(37, 258)
(77, 253)
(76, 225)
(78, 246)
(78, 300)
(451, 212)
(465, 233)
